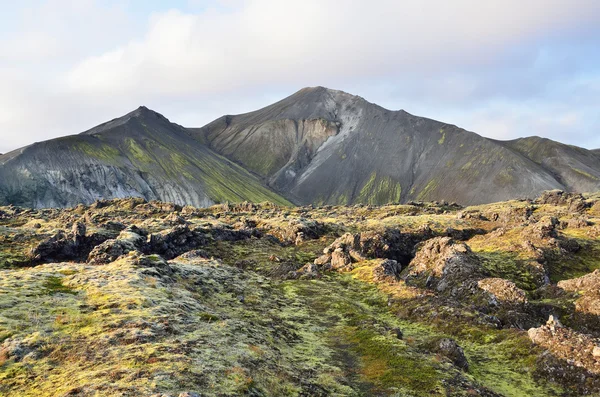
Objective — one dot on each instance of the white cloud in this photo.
(81, 62)
(270, 41)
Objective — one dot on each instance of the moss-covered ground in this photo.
(235, 321)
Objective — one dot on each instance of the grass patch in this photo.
(53, 285)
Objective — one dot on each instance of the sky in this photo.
(504, 69)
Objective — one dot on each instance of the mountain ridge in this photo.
(140, 154)
(273, 143)
(316, 146)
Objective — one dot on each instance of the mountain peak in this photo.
(141, 113)
(320, 90)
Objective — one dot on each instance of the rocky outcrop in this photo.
(174, 242)
(554, 197)
(579, 349)
(589, 286)
(387, 271)
(131, 239)
(575, 202)
(503, 291)
(296, 230)
(66, 246)
(511, 214)
(350, 248)
(588, 283)
(446, 266)
(450, 349)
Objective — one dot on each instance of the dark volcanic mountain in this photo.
(328, 147)
(140, 154)
(318, 146)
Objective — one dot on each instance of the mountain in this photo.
(317, 146)
(140, 154)
(577, 169)
(324, 146)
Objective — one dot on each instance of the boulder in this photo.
(503, 291)
(340, 259)
(387, 271)
(296, 230)
(450, 349)
(388, 244)
(567, 344)
(446, 266)
(131, 239)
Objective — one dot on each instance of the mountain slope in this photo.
(329, 147)
(576, 168)
(139, 154)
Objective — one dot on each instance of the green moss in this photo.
(428, 189)
(98, 150)
(53, 285)
(509, 266)
(586, 174)
(380, 190)
(388, 363)
(586, 260)
(138, 153)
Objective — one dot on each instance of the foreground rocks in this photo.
(579, 349)
(418, 299)
(450, 349)
(446, 266)
(503, 291)
(388, 244)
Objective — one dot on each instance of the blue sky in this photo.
(503, 69)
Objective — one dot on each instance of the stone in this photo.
(446, 266)
(578, 349)
(451, 350)
(388, 270)
(503, 291)
(340, 259)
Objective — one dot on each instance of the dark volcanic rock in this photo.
(446, 266)
(389, 244)
(388, 270)
(450, 349)
(129, 240)
(174, 242)
(63, 246)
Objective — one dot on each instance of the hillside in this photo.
(328, 147)
(576, 168)
(134, 298)
(318, 146)
(141, 154)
